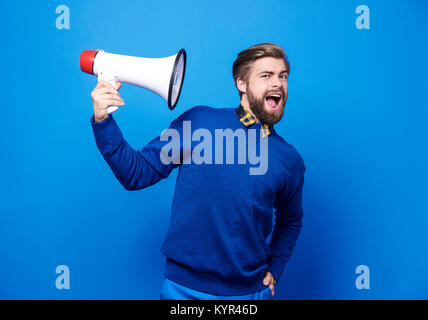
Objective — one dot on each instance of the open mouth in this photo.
(273, 100)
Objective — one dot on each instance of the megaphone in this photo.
(163, 76)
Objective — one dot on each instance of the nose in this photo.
(276, 82)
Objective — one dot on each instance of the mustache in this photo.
(280, 91)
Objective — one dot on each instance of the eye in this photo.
(283, 76)
(265, 76)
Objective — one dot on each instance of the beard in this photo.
(258, 107)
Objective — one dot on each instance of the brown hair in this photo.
(242, 65)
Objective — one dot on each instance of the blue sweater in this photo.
(221, 214)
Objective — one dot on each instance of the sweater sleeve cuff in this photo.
(107, 134)
(276, 267)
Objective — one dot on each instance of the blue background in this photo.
(356, 112)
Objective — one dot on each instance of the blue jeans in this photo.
(174, 291)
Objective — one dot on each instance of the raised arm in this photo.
(135, 169)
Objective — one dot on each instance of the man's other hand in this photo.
(269, 281)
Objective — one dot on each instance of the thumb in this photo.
(118, 85)
(266, 280)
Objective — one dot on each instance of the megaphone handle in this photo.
(110, 78)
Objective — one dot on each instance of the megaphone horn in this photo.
(163, 76)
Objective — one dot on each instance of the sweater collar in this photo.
(248, 120)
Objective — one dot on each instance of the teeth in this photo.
(275, 95)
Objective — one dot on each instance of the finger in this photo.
(99, 85)
(272, 288)
(106, 84)
(109, 96)
(109, 103)
(118, 85)
(103, 83)
(267, 279)
(104, 90)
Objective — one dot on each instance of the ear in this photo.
(241, 84)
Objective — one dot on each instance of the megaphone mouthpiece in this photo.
(87, 59)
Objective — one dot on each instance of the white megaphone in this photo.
(163, 76)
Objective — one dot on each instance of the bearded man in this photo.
(216, 246)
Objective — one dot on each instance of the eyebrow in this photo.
(271, 72)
